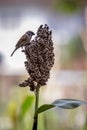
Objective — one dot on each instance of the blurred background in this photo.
(68, 21)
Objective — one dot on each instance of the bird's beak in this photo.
(33, 33)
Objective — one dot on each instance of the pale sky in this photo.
(9, 37)
(31, 21)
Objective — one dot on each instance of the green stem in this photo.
(35, 123)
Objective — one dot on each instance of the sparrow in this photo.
(23, 41)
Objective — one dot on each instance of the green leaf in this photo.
(68, 103)
(67, 6)
(62, 103)
(25, 106)
(44, 107)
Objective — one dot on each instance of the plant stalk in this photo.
(35, 123)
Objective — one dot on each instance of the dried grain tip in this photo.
(29, 82)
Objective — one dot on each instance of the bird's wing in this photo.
(21, 40)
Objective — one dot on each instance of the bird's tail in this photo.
(13, 51)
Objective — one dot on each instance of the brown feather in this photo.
(23, 38)
(13, 51)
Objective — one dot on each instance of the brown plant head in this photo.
(40, 58)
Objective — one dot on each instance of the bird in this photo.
(23, 41)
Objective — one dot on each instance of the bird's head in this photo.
(30, 33)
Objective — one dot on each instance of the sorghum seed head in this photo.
(39, 57)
